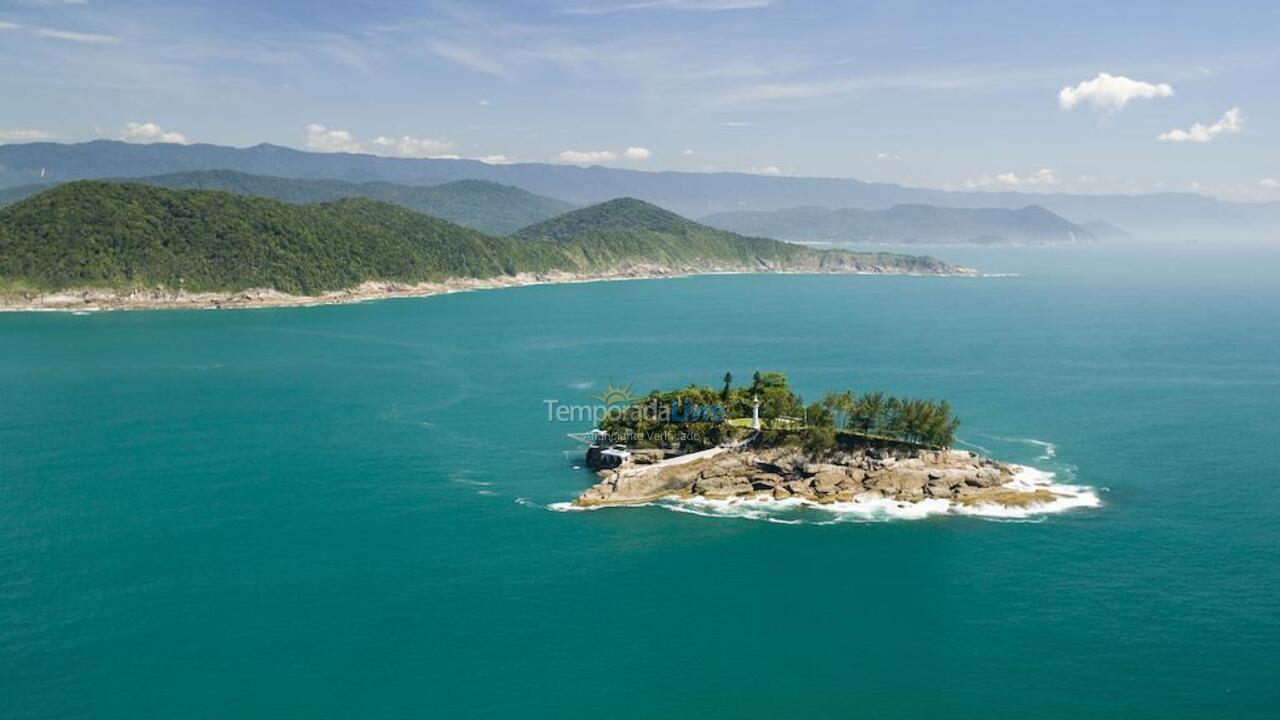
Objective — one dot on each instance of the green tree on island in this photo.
(837, 419)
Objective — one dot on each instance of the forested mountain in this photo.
(478, 204)
(124, 235)
(93, 233)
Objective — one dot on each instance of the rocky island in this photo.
(846, 451)
(781, 473)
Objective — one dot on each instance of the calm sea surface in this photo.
(342, 511)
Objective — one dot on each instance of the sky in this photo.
(1085, 97)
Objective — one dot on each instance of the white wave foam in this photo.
(571, 507)
(797, 511)
(1048, 450)
(1067, 497)
(975, 446)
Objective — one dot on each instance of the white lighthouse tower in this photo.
(755, 412)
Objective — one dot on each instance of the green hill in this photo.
(128, 236)
(479, 204)
(630, 231)
(1031, 225)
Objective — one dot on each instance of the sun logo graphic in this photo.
(615, 394)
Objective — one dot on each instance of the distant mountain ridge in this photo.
(628, 231)
(1104, 230)
(131, 236)
(904, 224)
(690, 194)
(478, 204)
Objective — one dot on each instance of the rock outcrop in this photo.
(783, 473)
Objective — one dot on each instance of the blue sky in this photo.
(934, 94)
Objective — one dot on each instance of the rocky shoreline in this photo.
(870, 475)
(94, 299)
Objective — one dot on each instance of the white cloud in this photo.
(406, 146)
(24, 135)
(468, 57)
(1110, 92)
(1039, 178)
(888, 156)
(687, 152)
(586, 157)
(1229, 124)
(765, 170)
(793, 90)
(736, 123)
(697, 5)
(76, 37)
(149, 132)
(325, 139)
(497, 159)
(591, 157)
(67, 35)
(1269, 183)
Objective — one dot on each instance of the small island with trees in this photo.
(761, 442)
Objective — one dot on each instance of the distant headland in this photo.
(120, 245)
(762, 444)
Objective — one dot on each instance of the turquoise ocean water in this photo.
(342, 511)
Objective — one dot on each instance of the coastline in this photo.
(805, 511)
(866, 484)
(83, 300)
(799, 510)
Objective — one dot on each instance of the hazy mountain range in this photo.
(1031, 225)
(690, 194)
(502, 209)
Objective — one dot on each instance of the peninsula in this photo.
(761, 443)
(97, 244)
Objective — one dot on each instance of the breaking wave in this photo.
(799, 511)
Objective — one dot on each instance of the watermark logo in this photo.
(616, 395)
(619, 403)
